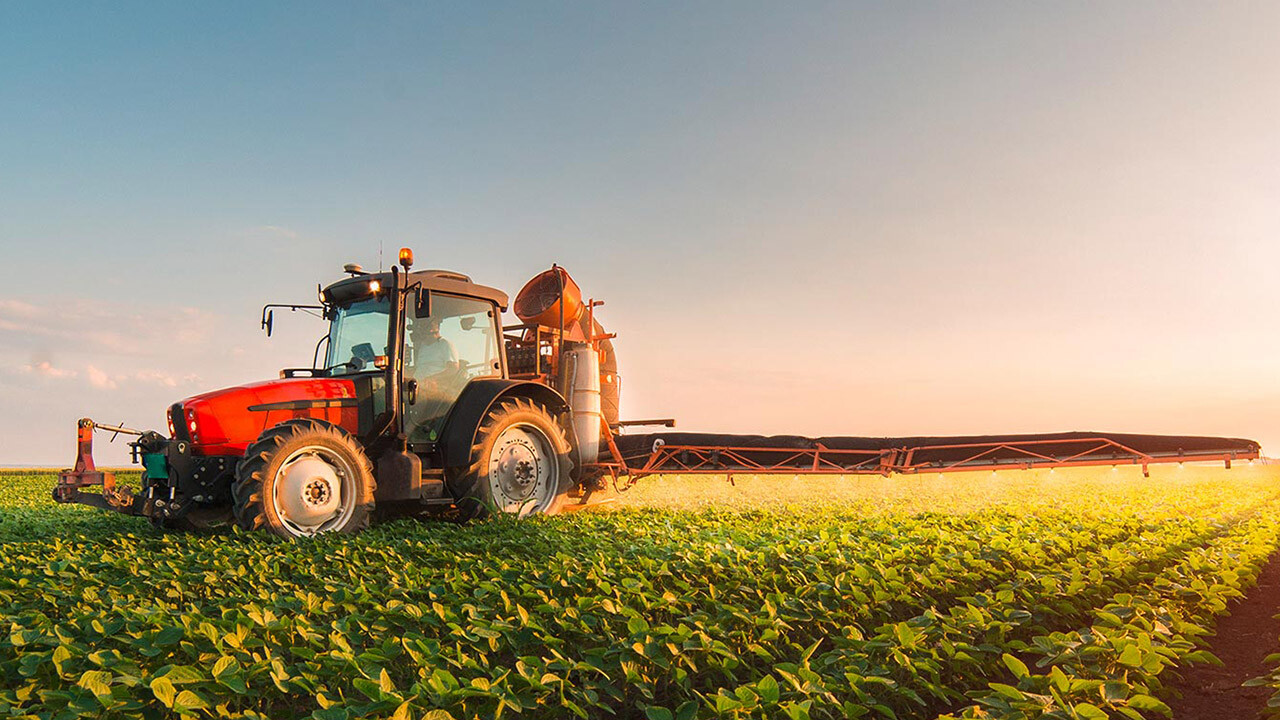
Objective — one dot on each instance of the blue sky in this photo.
(804, 218)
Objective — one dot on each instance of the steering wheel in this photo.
(361, 355)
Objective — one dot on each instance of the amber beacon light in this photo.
(406, 258)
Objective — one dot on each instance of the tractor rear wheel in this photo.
(304, 477)
(520, 463)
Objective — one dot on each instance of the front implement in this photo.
(163, 462)
(86, 474)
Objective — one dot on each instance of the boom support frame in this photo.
(999, 455)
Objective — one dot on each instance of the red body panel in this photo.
(226, 426)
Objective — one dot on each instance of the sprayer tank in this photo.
(584, 399)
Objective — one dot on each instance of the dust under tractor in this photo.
(419, 401)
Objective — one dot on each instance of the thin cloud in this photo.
(45, 368)
(163, 379)
(17, 309)
(98, 327)
(106, 345)
(100, 379)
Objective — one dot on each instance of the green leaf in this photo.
(1016, 666)
(1059, 679)
(97, 682)
(225, 665)
(1109, 619)
(808, 653)
(1131, 656)
(444, 680)
(725, 703)
(234, 682)
(768, 689)
(1146, 702)
(368, 687)
(1204, 656)
(1008, 691)
(1113, 691)
(163, 690)
(189, 700)
(180, 674)
(654, 712)
(60, 655)
(168, 636)
(1085, 711)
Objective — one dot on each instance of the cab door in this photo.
(448, 342)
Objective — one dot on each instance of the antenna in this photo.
(379, 256)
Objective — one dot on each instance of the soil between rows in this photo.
(1242, 640)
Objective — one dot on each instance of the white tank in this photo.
(584, 400)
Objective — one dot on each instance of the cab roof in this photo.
(445, 281)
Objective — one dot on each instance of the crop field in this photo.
(1019, 595)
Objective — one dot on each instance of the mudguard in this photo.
(473, 404)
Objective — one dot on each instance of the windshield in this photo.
(358, 333)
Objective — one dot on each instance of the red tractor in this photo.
(414, 408)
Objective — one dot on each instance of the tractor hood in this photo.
(225, 422)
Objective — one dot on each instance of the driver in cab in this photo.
(434, 357)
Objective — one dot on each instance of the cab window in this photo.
(455, 343)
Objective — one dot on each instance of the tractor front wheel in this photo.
(520, 463)
(302, 478)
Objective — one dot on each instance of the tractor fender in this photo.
(473, 404)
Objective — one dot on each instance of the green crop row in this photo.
(1112, 667)
(856, 610)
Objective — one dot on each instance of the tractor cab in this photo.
(429, 332)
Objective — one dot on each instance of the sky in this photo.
(804, 218)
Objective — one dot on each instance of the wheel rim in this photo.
(314, 491)
(523, 471)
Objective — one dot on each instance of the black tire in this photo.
(256, 492)
(473, 487)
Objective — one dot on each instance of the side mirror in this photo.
(467, 322)
(422, 302)
(269, 321)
